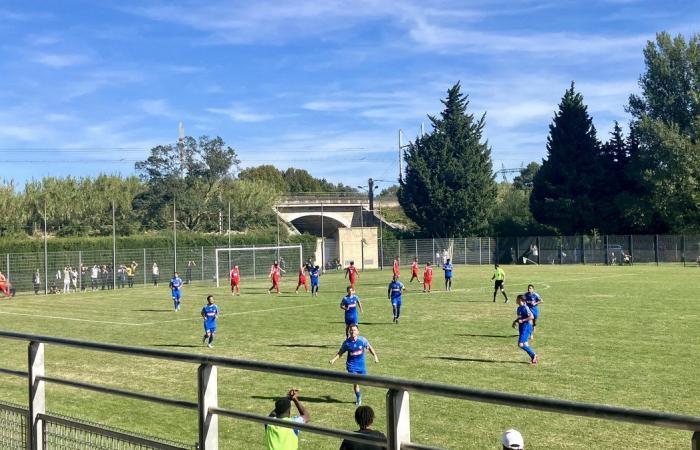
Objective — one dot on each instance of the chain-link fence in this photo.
(104, 269)
(65, 433)
(13, 426)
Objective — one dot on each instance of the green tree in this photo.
(267, 174)
(449, 188)
(566, 188)
(251, 202)
(666, 120)
(14, 213)
(190, 175)
(527, 176)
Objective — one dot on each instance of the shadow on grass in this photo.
(179, 345)
(490, 335)
(361, 324)
(304, 345)
(456, 358)
(324, 399)
(152, 310)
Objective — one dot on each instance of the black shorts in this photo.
(498, 284)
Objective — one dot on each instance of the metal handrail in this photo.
(645, 417)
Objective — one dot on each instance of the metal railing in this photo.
(397, 404)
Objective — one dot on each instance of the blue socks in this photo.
(529, 351)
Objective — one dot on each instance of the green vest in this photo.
(281, 438)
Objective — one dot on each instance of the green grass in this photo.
(624, 336)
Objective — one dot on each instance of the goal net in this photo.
(255, 262)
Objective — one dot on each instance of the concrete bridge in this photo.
(347, 224)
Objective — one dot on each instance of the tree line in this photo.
(200, 177)
(645, 182)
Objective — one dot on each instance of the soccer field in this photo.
(624, 336)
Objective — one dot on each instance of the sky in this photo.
(88, 87)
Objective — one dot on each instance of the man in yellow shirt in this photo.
(500, 279)
(283, 438)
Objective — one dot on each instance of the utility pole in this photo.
(370, 193)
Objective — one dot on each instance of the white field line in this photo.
(68, 318)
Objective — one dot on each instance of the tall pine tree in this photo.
(566, 189)
(448, 189)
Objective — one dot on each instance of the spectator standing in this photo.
(94, 274)
(66, 280)
(36, 281)
(283, 438)
(188, 273)
(364, 416)
(156, 274)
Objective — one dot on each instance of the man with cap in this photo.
(512, 439)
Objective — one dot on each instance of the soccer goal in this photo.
(256, 261)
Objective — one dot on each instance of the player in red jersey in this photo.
(414, 270)
(235, 280)
(275, 275)
(302, 281)
(427, 277)
(396, 267)
(352, 274)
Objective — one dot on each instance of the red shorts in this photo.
(302, 280)
(235, 282)
(414, 273)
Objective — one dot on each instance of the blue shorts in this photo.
(176, 294)
(314, 282)
(352, 320)
(448, 277)
(396, 301)
(525, 332)
(362, 371)
(209, 329)
(535, 312)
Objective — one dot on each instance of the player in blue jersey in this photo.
(350, 304)
(210, 313)
(314, 274)
(447, 267)
(533, 300)
(393, 293)
(524, 322)
(176, 289)
(355, 345)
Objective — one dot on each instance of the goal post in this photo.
(256, 261)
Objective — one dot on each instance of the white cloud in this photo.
(157, 107)
(239, 114)
(58, 60)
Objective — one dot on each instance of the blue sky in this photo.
(90, 86)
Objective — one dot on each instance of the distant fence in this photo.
(398, 393)
(198, 263)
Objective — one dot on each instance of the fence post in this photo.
(37, 398)
(207, 398)
(695, 441)
(539, 249)
(479, 251)
(399, 251)
(465, 251)
(432, 255)
(517, 251)
(398, 419)
(683, 249)
(8, 266)
(629, 241)
(144, 268)
(607, 253)
(80, 270)
(561, 250)
(656, 249)
(202, 265)
(415, 241)
(253, 262)
(583, 250)
(489, 249)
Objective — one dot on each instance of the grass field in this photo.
(625, 336)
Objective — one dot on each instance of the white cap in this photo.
(513, 439)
